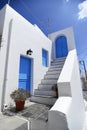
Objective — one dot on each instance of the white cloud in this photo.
(67, 0)
(82, 10)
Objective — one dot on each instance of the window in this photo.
(44, 57)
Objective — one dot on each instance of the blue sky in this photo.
(54, 15)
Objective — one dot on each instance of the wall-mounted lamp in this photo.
(29, 52)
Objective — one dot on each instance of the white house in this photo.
(53, 62)
(18, 36)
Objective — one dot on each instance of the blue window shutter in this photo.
(44, 57)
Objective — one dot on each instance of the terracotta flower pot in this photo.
(19, 105)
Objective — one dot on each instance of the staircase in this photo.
(47, 90)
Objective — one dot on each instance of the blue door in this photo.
(61, 47)
(25, 73)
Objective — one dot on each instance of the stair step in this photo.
(53, 76)
(43, 96)
(48, 81)
(60, 59)
(54, 69)
(57, 64)
(45, 87)
(45, 92)
(53, 72)
(43, 100)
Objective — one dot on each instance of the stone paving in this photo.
(33, 117)
(34, 111)
(19, 123)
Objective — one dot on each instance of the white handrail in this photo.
(70, 95)
(66, 74)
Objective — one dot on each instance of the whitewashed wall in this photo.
(68, 33)
(2, 52)
(72, 107)
(57, 119)
(71, 75)
(20, 35)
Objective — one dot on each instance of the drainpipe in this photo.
(6, 65)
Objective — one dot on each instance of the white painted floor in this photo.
(17, 122)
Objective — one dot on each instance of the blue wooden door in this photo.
(25, 73)
(61, 47)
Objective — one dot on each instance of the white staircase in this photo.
(46, 92)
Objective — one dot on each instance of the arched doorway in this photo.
(61, 47)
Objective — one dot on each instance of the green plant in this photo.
(20, 95)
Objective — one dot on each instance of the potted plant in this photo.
(19, 96)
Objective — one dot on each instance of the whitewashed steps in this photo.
(45, 87)
(53, 68)
(43, 100)
(45, 92)
(53, 72)
(57, 64)
(52, 76)
(59, 59)
(49, 81)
